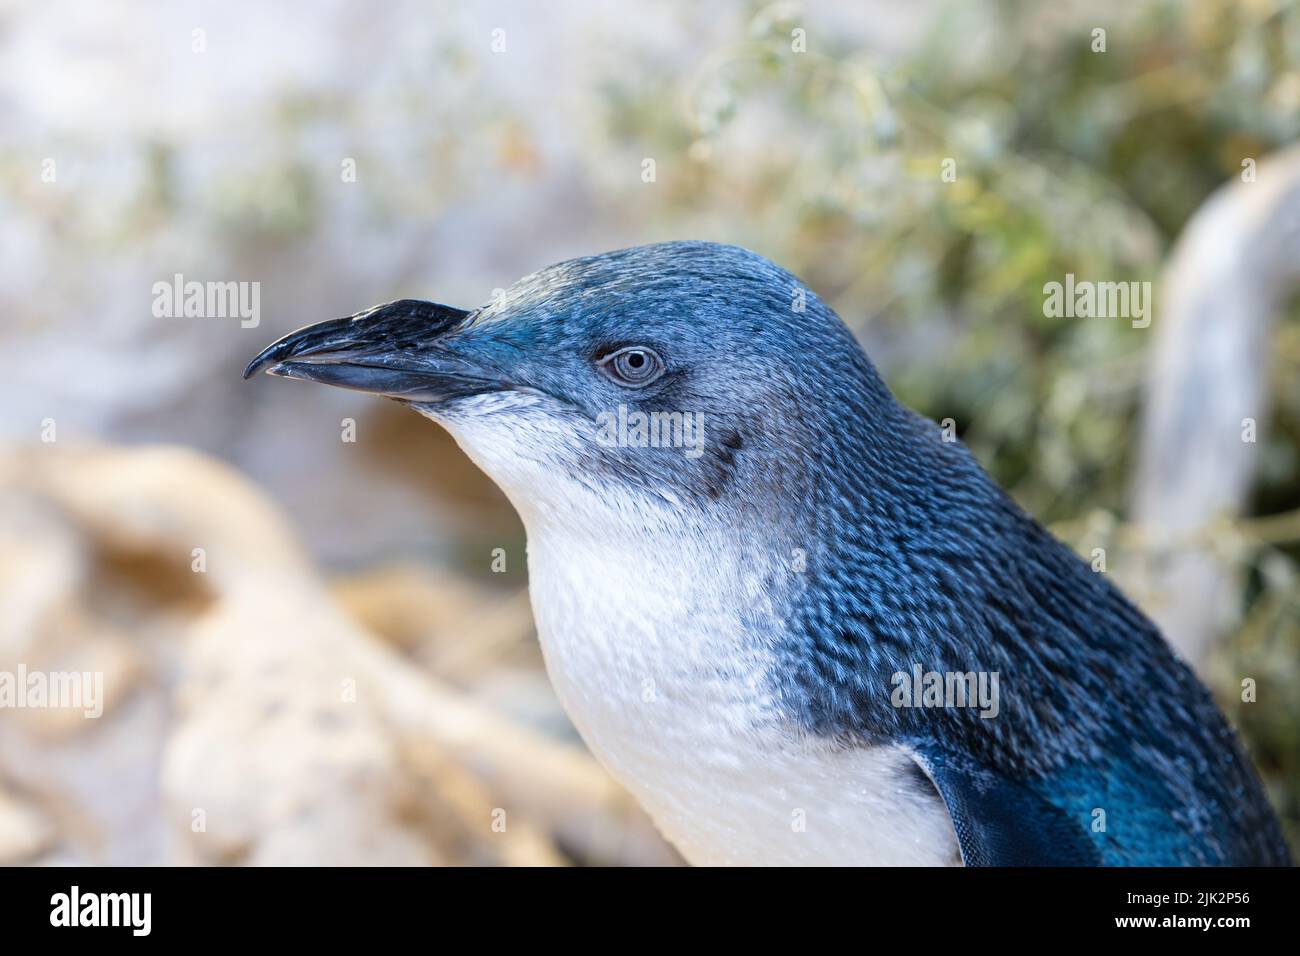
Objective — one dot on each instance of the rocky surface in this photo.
(247, 718)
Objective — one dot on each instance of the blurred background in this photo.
(312, 650)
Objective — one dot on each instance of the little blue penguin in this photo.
(796, 619)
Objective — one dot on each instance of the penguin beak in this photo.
(398, 350)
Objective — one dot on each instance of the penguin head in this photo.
(682, 379)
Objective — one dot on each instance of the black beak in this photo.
(396, 349)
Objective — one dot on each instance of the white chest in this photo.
(638, 601)
(667, 688)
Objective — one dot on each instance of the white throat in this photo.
(659, 644)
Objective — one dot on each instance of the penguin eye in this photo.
(634, 366)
